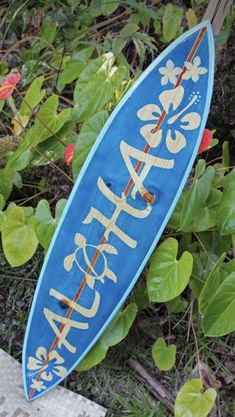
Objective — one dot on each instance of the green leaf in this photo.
(140, 297)
(93, 358)
(48, 123)
(97, 85)
(49, 149)
(2, 201)
(86, 138)
(32, 97)
(48, 31)
(89, 73)
(219, 316)
(202, 265)
(118, 44)
(172, 19)
(214, 242)
(2, 102)
(206, 216)
(104, 7)
(18, 237)
(178, 305)
(45, 224)
(119, 328)
(129, 29)
(74, 67)
(225, 155)
(7, 176)
(167, 276)
(140, 48)
(224, 34)
(174, 222)
(226, 211)
(191, 18)
(196, 197)
(213, 281)
(192, 402)
(115, 333)
(164, 356)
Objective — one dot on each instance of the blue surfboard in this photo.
(118, 208)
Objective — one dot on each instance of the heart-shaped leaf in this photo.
(164, 356)
(192, 402)
(45, 224)
(32, 97)
(93, 92)
(167, 276)
(18, 236)
(219, 316)
(172, 19)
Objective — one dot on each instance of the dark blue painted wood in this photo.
(173, 94)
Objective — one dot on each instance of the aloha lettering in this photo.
(175, 142)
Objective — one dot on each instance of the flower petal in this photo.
(170, 64)
(13, 78)
(60, 371)
(46, 377)
(188, 65)
(153, 139)
(195, 77)
(55, 355)
(202, 70)
(7, 86)
(197, 61)
(177, 144)
(33, 364)
(207, 138)
(172, 98)
(164, 80)
(68, 155)
(162, 70)
(192, 121)
(146, 112)
(41, 353)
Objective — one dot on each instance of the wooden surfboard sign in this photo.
(118, 208)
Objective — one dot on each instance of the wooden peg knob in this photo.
(149, 197)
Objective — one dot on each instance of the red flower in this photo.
(207, 138)
(7, 86)
(68, 155)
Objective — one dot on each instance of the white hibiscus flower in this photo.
(194, 70)
(154, 114)
(169, 72)
(46, 364)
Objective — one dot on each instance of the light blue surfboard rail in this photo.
(118, 208)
